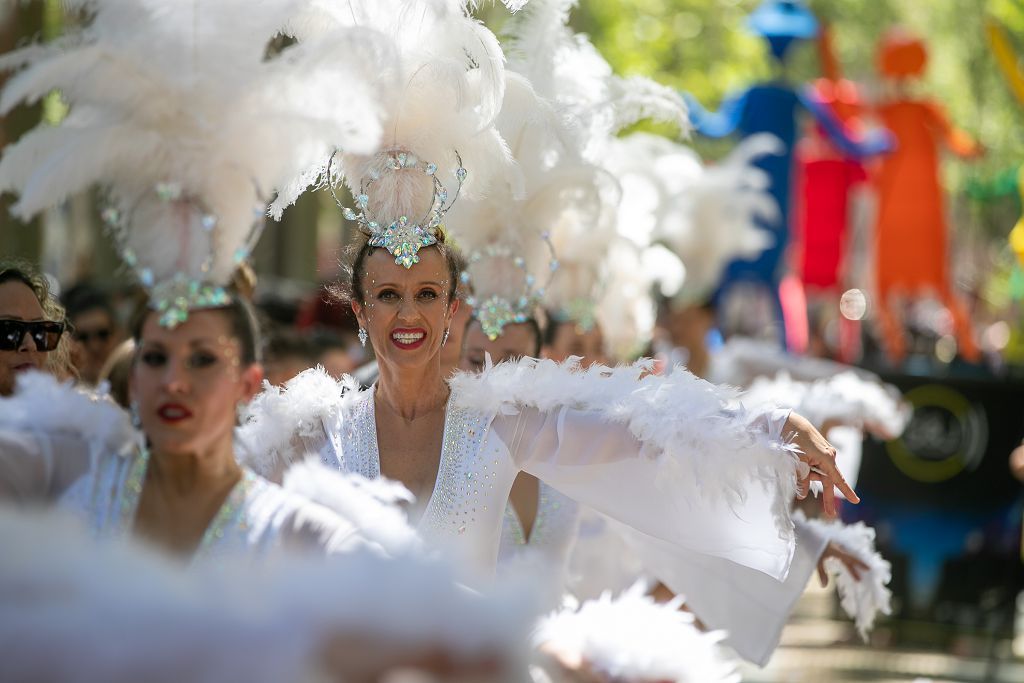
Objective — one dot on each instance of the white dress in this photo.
(546, 551)
(60, 445)
(676, 458)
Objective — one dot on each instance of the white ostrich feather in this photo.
(566, 68)
(741, 360)
(626, 311)
(846, 398)
(633, 638)
(862, 600)
(451, 81)
(699, 433)
(187, 98)
(548, 198)
(705, 214)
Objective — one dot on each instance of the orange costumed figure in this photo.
(912, 238)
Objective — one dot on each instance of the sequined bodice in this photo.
(553, 532)
(108, 499)
(474, 477)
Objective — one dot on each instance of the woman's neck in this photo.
(411, 392)
(186, 472)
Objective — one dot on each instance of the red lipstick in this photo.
(408, 339)
(173, 413)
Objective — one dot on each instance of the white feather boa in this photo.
(633, 638)
(371, 505)
(278, 423)
(706, 442)
(42, 404)
(846, 398)
(862, 600)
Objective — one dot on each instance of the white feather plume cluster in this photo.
(370, 505)
(228, 620)
(186, 99)
(566, 69)
(531, 213)
(862, 600)
(633, 638)
(41, 403)
(565, 66)
(450, 82)
(626, 311)
(846, 398)
(705, 214)
(698, 432)
(279, 427)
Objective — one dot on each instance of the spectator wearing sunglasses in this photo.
(31, 325)
(95, 329)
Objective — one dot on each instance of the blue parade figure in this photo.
(773, 107)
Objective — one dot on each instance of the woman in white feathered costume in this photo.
(179, 118)
(458, 446)
(666, 181)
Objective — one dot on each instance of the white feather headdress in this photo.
(439, 134)
(506, 235)
(181, 117)
(705, 214)
(566, 68)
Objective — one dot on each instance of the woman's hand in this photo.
(820, 456)
(853, 564)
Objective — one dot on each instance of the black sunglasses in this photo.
(45, 333)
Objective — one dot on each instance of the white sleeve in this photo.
(49, 435)
(750, 606)
(728, 504)
(35, 467)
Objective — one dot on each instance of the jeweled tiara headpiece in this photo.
(402, 237)
(191, 281)
(495, 308)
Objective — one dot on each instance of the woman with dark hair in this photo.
(32, 326)
(171, 477)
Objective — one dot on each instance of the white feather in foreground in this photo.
(72, 608)
(633, 638)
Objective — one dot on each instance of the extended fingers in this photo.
(827, 467)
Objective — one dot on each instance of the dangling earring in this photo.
(134, 410)
(444, 339)
(363, 336)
